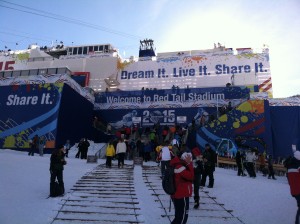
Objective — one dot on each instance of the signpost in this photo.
(138, 161)
(181, 119)
(92, 159)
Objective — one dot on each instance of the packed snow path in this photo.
(102, 196)
(124, 195)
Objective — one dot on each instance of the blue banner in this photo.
(171, 97)
(245, 124)
(26, 111)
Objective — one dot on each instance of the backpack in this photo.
(56, 190)
(168, 182)
(175, 151)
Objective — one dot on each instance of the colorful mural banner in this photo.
(28, 110)
(43, 79)
(198, 68)
(290, 101)
(246, 123)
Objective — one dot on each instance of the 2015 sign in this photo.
(156, 116)
(6, 65)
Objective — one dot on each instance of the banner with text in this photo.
(201, 69)
(209, 97)
(26, 111)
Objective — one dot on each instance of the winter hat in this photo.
(294, 148)
(61, 146)
(185, 154)
(196, 152)
(297, 155)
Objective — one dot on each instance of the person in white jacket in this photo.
(250, 166)
(166, 156)
(121, 151)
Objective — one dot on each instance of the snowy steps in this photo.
(102, 196)
(210, 211)
(108, 196)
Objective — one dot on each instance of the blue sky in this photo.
(172, 24)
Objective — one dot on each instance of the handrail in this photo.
(278, 168)
(99, 151)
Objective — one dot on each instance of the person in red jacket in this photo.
(184, 176)
(293, 175)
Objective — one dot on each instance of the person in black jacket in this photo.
(33, 145)
(57, 162)
(270, 167)
(191, 135)
(239, 158)
(79, 146)
(209, 159)
(85, 147)
(198, 168)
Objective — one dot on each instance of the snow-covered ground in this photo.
(24, 188)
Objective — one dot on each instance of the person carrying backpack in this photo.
(165, 155)
(184, 176)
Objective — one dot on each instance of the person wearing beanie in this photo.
(184, 176)
(209, 159)
(293, 175)
(297, 155)
(198, 168)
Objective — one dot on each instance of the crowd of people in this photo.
(169, 147)
(174, 147)
(247, 161)
(83, 147)
(166, 145)
(37, 143)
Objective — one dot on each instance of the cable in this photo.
(25, 33)
(22, 36)
(67, 19)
